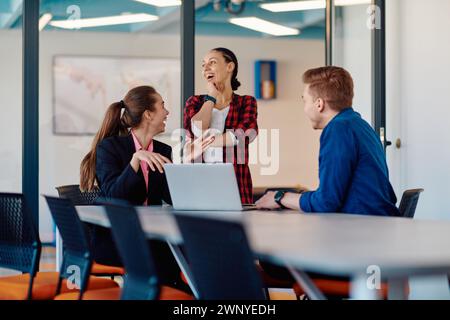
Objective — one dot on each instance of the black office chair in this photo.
(77, 196)
(20, 246)
(80, 198)
(222, 263)
(409, 201)
(77, 257)
(141, 281)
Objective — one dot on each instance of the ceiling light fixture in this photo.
(308, 5)
(264, 26)
(44, 20)
(104, 21)
(161, 3)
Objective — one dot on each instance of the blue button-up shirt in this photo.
(353, 172)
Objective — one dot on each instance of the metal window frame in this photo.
(30, 108)
(379, 73)
(187, 52)
(329, 21)
(187, 32)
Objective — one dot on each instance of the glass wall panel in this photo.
(274, 45)
(91, 54)
(11, 93)
(11, 98)
(352, 49)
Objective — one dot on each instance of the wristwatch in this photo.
(278, 197)
(209, 98)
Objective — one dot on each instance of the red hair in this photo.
(332, 84)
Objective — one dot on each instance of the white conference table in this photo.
(333, 244)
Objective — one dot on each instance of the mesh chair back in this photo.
(20, 247)
(221, 260)
(77, 258)
(141, 280)
(77, 196)
(409, 201)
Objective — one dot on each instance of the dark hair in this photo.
(332, 84)
(116, 123)
(229, 56)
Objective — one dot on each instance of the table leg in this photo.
(306, 284)
(397, 288)
(360, 290)
(59, 251)
(182, 263)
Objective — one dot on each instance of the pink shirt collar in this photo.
(137, 144)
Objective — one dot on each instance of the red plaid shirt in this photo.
(242, 118)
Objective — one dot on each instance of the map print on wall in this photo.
(84, 87)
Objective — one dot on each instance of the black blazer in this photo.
(117, 179)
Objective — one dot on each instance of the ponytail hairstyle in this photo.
(229, 56)
(116, 123)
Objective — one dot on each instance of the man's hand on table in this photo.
(290, 200)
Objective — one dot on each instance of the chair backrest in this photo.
(409, 201)
(222, 263)
(20, 246)
(141, 280)
(77, 196)
(77, 258)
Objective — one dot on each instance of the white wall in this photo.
(11, 109)
(418, 109)
(424, 93)
(60, 156)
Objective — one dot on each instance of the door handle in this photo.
(386, 143)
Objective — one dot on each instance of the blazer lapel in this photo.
(131, 149)
(156, 146)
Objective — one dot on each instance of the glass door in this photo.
(352, 47)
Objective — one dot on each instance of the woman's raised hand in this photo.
(212, 89)
(194, 149)
(154, 160)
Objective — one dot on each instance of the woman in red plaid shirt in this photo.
(222, 123)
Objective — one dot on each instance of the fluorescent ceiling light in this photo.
(44, 20)
(161, 3)
(294, 5)
(342, 3)
(308, 5)
(265, 26)
(104, 21)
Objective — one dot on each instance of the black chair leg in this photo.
(266, 292)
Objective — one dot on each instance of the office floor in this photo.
(48, 259)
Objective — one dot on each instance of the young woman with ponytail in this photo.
(126, 162)
(228, 118)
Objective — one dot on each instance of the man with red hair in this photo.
(353, 172)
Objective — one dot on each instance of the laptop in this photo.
(204, 186)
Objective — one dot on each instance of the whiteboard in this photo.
(84, 87)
